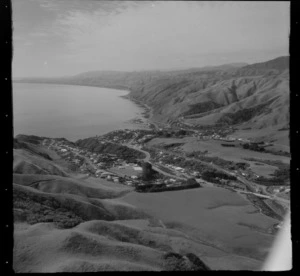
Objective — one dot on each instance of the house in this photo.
(195, 173)
(134, 177)
(106, 174)
(99, 171)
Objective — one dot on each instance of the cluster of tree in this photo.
(239, 166)
(165, 169)
(280, 152)
(30, 139)
(121, 151)
(42, 208)
(218, 161)
(189, 262)
(143, 132)
(17, 144)
(282, 174)
(121, 134)
(275, 163)
(196, 154)
(215, 176)
(211, 175)
(154, 188)
(242, 165)
(280, 177)
(184, 163)
(148, 173)
(284, 128)
(173, 145)
(228, 145)
(265, 209)
(202, 107)
(173, 133)
(164, 134)
(245, 114)
(254, 147)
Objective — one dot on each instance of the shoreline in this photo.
(147, 113)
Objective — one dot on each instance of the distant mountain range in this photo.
(254, 96)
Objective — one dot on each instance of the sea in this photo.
(72, 112)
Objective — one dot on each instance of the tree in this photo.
(191, 181)
(148, 173)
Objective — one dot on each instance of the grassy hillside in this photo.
(91, 224)
(205, 96)
(73, 219)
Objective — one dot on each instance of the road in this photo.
(280, 145)
(257, 194)
(147, 159)
(243, 180)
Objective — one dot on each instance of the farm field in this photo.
(125, 171)
(215, 148)
(222, 217)
(262, 169)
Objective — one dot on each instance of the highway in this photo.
(251, 186)
(147, 159)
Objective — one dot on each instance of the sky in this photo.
(64, 37)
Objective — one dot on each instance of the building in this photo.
(100, 171)
(107, 174)
(116, 179)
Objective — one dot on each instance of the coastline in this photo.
(147, 113)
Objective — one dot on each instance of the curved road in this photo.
(147, 159)
(246, 182)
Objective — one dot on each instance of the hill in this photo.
(74, 220)
(254, 96)
(90, 224)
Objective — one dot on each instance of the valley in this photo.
(202, 184)
(252, 97)
(67, 190)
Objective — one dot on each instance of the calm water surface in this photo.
(73, 112)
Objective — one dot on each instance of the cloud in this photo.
(150, 35)
(49, 5)
(135, 35)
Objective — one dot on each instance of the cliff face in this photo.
(252, 96)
